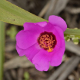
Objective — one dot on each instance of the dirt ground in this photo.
(19, 68)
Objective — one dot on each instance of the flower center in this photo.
(47, 41)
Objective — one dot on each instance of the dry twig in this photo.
(44, 10)
(73, 48)
(20, 74)
(60, 69)
(56, 7)
(69, 69)
(17, 62)
(7, 75)
(72, 10)
(13, 73)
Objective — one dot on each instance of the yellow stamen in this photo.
(47, 41)
(50, 49)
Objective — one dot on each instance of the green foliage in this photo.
(2, 43)
(75, 38)
(72, 31)
(73, 34)
(67, 37)
(15, 15)
(12, 32)
(26, 76)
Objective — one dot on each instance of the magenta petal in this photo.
(57, 32)
(59, 36)
(56, 59)
(32, 27)
(26, 39)
(41, 61)
(28, 44)
(42, 24)
(58, 21)
(28, 25)
(29, 52)
(32, 51)
(54, 29)
(20, 51)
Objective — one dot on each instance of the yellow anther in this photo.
(47, 41)
(50, 49)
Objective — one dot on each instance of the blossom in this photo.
(42, 42)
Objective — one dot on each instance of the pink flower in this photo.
(42, 42)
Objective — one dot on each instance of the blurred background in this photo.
(19, 68)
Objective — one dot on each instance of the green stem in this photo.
(2, 38)
(72, 31)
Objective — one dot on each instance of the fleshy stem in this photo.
(72, 31)
(2, 38)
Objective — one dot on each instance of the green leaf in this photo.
(72, 31)
(13, 14)
(67, 37)
(12, 32)
(75, 38)
(26, 76)
(2, 43)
